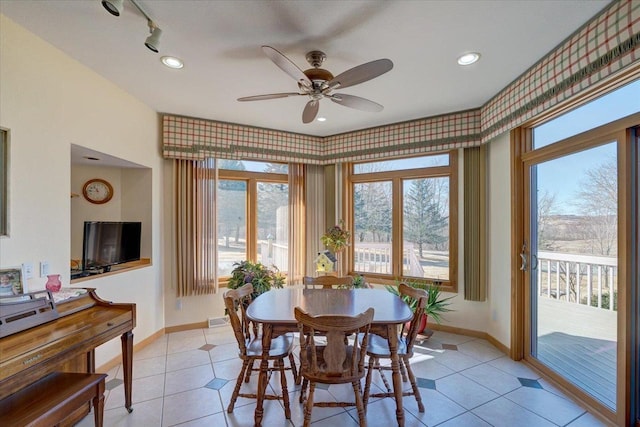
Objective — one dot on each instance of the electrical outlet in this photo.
(179, 304)
(44, 268)
(27, 267)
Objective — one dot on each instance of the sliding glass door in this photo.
(573, 276)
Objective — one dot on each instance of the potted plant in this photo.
(436, 303)
(261, 277)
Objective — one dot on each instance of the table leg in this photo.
(267, 331)
(127, 367)
(392, 336)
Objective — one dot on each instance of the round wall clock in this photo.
(97, 191)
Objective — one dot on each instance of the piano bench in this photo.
(50, 400)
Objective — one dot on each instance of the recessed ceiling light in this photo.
(322, 119)
(468, 58)
(172, 62)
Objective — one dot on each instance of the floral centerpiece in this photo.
(336, 238)
(261, 277)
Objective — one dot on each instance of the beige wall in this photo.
(49, 101)
(499, 218)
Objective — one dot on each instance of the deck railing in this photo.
(376, 258)
(580, 279)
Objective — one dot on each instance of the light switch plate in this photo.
(44, 268)
(27, 268)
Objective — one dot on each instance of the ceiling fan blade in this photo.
(356, 102)
(310, 111)
(361, 73)
(286, 65)
(269, 96)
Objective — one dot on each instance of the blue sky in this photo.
(563, 176)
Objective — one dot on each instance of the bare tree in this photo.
(598, 200)
(546, 208)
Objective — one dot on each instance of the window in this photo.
(253, 222)
(405, 218)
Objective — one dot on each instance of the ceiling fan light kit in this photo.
(318, 83)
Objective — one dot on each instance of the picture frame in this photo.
(4, 185)
(11, 283)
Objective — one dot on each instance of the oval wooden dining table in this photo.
(274, 310)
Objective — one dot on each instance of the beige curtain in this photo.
(297, 213)
(195, 227)
(315, 203)
(475, 224)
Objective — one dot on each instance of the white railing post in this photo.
(611, 289)
(589, 288)
(599, 286)
(567, 280)
(578, 279)
(548, 279)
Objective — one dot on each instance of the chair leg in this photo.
(403, 371)
(285, 392)
(384, 378)
(414, 386)
(248, 373)
(309, 405)
(303, 389)
(294, 369)
(362, 417)
(236, 390)
(367, 383)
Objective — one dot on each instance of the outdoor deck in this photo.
(579, 342)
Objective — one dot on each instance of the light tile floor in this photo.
(186, 379)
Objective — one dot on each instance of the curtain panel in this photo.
(195, 227)
(297, 224)
(475, 224)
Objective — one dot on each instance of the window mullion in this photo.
(396, 235)
(252, 219)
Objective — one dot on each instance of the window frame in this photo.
(251, 206)
(397, 178)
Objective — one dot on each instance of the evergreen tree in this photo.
(424, 222)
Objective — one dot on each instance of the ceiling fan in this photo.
(318, 83)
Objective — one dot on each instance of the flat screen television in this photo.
(109, 243)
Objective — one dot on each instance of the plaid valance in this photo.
(607, 45)
(196, 139)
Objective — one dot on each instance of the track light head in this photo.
(153, 41)
(114, 7)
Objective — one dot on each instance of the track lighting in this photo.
(115, 8)
(153, 41)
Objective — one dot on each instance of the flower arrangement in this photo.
(336, 238)
(261, 277)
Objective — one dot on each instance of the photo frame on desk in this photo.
(11, 281)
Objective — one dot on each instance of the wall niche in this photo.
(131, 200)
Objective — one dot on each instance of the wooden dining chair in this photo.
(327, 282)
(236, 302)
(378, 348)
(337, 361)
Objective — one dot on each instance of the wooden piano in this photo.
(67, 343)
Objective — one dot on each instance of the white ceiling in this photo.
(220, 41)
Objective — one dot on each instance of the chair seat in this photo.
(379, 346)
(280, 346)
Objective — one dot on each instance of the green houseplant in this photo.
(261, 277)
(436, 303)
